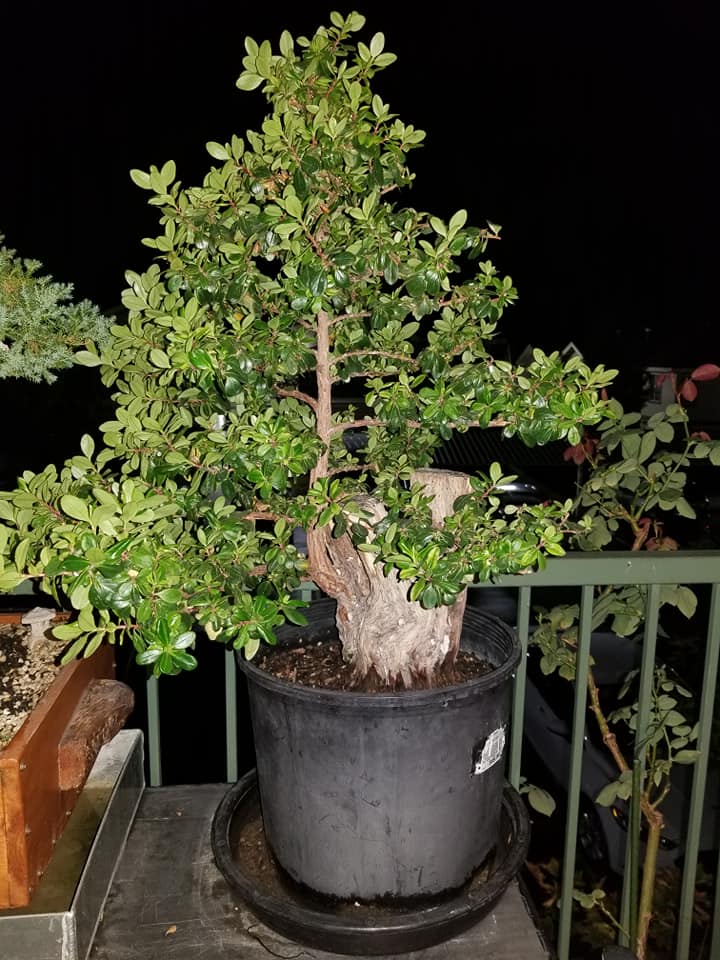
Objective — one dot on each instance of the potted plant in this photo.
(300, 348)
(52, 720)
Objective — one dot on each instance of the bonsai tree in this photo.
(299, 349)
(40, 326)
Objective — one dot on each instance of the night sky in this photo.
(588, 130)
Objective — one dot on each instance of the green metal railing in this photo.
(584, 571)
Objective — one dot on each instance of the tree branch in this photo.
(375, 353)
(415, 424)
(298, 395)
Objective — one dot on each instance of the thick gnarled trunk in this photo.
(391, 641)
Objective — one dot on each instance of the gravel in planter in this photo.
(25, 675)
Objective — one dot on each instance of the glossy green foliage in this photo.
(295, 303)
(638, 472)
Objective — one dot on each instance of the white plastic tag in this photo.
(491, 752)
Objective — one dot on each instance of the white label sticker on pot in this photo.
(491, 752)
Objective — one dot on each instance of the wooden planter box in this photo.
(45, 765)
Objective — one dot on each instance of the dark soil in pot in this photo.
(318, 663)
(243, 857)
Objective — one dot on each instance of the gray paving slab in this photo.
(169, 901)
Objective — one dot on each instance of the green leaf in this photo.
(664, 432)
(185, 640)
(430, 597)
(66, 631)
(86, 619)
(647, 446)
(184, 660)
(294, 207)
(416, 285)
(286, 44)
(10, 579)
(71, 564)
(541, 800)
(74, 650)
(217, 151)
(377, 44)
(684, 508)
(148, 657)
(79, 595)
(686, 601)
(457, 222)
(608, 794)
(87, 359)
(141, 179)
(248, 81)
(87, 445)
(251, 647)
(159, 358)
(167, 173)
(75, 507)
(686, 756)
(296, 617)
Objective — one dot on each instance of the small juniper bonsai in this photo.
(41, 328)
(291, 361)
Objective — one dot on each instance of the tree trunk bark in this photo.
(391, 641)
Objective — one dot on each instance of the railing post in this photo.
(692, 843)
(518, 705)
(629, 918)
(231, 750)
(582, 665)
(153, 710)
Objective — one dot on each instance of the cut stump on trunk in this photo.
(392, 642)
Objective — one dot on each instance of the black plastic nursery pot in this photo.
(388, 798)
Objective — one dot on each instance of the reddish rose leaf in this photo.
(662, 543)
(706, 371)
(576, 453)
(689, 390)
(590, 445)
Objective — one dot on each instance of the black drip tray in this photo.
(242, 856)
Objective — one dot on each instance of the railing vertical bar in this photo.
(582, 664)
(647, 671)
(518, 707)
(152, 693)
(625, 897)
(231, 739)
(697, 796)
